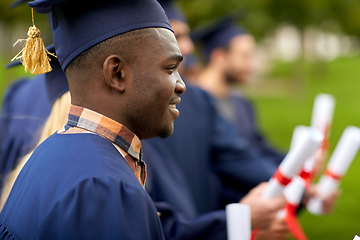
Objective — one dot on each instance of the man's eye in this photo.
(172, 67)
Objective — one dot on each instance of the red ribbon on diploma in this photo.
(291, 219)
(281, 178)
(253, 233)
(306, 176)
(293, 223)
(326, 142)
(332, 175)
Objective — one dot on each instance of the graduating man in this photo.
(203, 165)
(86, 181)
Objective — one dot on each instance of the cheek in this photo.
(159, 93)
(239, 65)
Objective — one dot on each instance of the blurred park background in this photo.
(305, 47)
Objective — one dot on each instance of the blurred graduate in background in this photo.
(26, 107)
(204, 164)
(228, 51)
(229, 54)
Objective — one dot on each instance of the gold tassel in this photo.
(34, 54)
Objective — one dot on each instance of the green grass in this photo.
(289, 103)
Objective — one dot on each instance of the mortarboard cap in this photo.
(79, 25)
(172, 12)
(218, 33)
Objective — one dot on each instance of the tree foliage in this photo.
(263, 16)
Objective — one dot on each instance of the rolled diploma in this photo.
(297, 135)
(238, 221)
(322, 116)
(293, 194)
(338, 165)
(296, 188)
(293, 161)
(294, 191)
(323, 110)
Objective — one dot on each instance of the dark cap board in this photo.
(79, 25)
(172, 11)
(217, 33)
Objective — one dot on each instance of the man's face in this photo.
(157, 85)
(240, 59)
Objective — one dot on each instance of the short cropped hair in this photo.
(127, 46)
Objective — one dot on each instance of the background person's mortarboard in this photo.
(79, 25)
(16, 3)
(218, 33)
(172, 12)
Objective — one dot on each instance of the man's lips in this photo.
(172, 105)
(174, 102)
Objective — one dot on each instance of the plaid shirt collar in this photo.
(101, 125)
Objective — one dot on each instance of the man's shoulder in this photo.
(69, 161)
(86, 148)
(72, 192)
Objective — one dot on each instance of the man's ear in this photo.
(114, 72)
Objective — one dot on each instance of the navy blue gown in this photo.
(246, 126)
(78, 186)
(26, 106)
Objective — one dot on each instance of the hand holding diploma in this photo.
(328, 203)
(277, 231)
(337, 167)
(321, 119)
(293, 162)
(263, 212)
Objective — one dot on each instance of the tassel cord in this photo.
(34, 55)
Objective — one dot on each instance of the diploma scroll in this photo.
(238, 221)
(339, 163)
(295, 190)
(291, 165)
(321, 119)
(322, 114)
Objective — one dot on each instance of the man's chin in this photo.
(166, 132)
